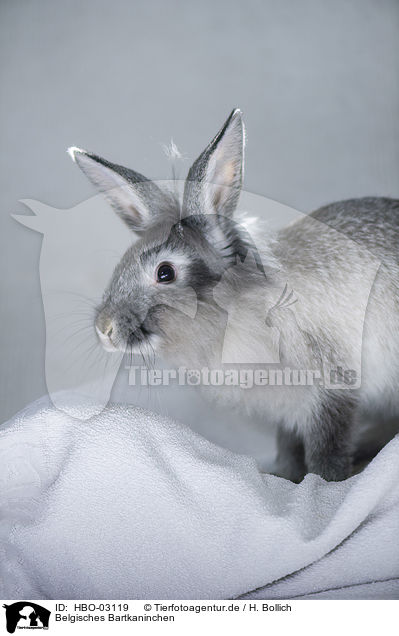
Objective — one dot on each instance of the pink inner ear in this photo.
(228, 172)
(134, 212)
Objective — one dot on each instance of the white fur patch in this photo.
(72, 150)
(171, 151)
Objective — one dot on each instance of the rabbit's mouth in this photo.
(141, 340)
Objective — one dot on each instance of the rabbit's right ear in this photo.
(214, 181)
(136, 199)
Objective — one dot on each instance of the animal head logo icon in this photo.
(26, 615)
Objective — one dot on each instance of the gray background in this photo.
(317, 81)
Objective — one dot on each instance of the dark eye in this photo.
(166, 273)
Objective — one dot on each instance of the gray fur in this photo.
(313, 278)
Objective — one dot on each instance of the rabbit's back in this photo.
(372, 222)
(343, 262)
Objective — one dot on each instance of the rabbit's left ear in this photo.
(213, 184)
(137, 200)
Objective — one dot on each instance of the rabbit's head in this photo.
(163, 284)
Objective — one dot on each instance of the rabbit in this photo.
(341, 263)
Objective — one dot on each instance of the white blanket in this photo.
(134, 505)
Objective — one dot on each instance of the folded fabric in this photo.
(134, 505)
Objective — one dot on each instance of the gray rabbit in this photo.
(341, 261)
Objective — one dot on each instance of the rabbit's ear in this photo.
(214, 181)
(136, 199)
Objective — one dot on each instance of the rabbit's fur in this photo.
(325, 289)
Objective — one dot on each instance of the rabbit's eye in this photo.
(166, 273)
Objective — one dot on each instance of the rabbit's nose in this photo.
(105, 329)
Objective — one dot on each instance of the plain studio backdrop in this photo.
(318, 82)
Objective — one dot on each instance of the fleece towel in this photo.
(134, 505)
